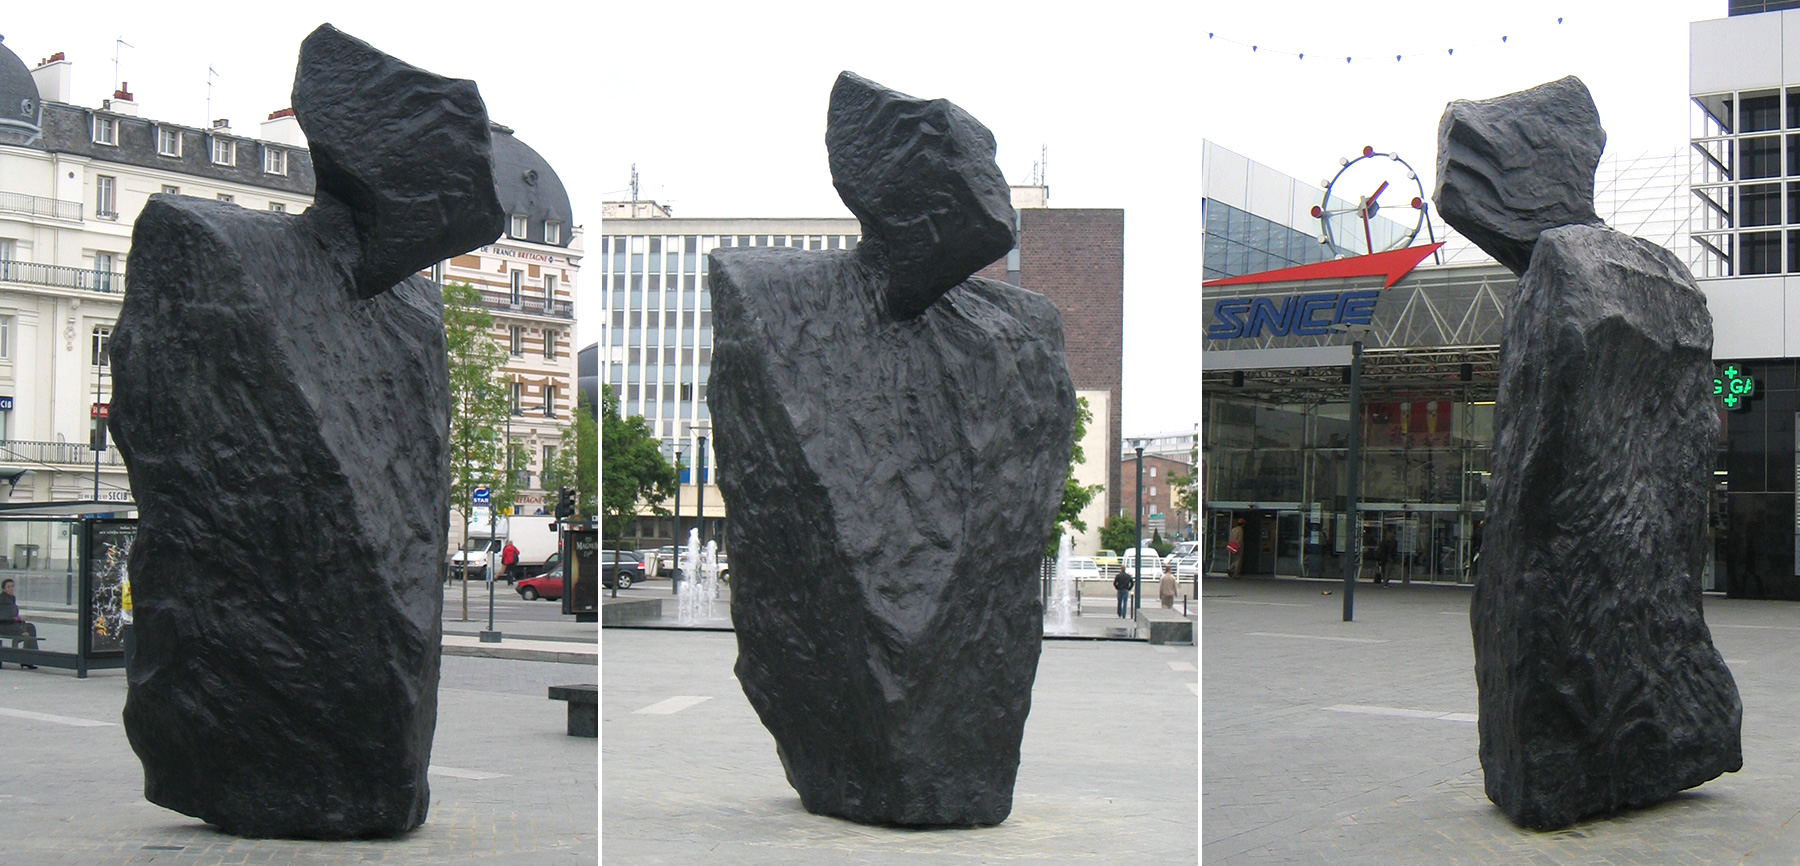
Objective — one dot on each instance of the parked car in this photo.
(661, 562)
(1083, 568)
(623, 567)
(1187, 566)
(1152, 562)
(1106, 559)
(548, 585)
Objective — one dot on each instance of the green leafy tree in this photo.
(1157, 543)
(1076, 496)
(633, 468)
(575, 463)
(1118, 533)
(1187, 485)
(478, 405)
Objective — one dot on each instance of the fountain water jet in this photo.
(1059, 616)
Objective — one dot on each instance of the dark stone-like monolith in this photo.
(1599, 685)
(892, 480)
(1508, 168)
(284, 424)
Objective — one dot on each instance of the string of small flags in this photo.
(1258, 48)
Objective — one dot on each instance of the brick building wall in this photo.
(1158, 496)
(1076, 258)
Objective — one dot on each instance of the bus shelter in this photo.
(67, 562)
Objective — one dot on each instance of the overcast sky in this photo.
(1300, 116)
(722, 108)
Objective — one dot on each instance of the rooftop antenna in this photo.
(116, 43)
(1044, 165)
(634, 183)
(210, 75)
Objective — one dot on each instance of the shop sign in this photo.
(1733, 389)
(1306, 315)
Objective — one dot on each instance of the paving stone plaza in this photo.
(1108, 770)
(508, 785)
(1355, 743)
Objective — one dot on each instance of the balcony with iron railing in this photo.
(39, 206)
(15, 452)
(61, 277)
(501, 302)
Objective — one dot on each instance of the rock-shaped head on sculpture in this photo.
(920, 176)
(1510, 167)
(419, 183)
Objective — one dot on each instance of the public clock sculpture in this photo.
(1371, 184)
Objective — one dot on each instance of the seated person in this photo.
(11, 623)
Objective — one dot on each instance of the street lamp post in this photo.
(1353, 544)
(674, 579)
(700, 466)
(490, 635)
(1137, 555)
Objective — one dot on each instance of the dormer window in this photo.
(517, 230)
(274, 161)
(552, 232)
(224, 151)
(106, 130)
(168, 142)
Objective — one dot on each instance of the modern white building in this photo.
(1744, 77)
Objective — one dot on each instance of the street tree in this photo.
(1076, 496)
(575, 463)
(632, 467)
(1186, 486)
(1118, 533)
(479, 405)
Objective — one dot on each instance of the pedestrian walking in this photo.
(1385, 553)
(1122, 583)
(1234, 545)
(1167, 590)
(509, 557)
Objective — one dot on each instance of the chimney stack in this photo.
(52, 79)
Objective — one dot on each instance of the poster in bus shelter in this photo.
(108, 547)
(582, 572)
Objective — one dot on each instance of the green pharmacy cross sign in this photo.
(1734, 388)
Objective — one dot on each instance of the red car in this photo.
(548, 585)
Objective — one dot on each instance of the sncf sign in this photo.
(1310, 315)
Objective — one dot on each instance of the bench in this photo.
(1165, 626)
(584, 707)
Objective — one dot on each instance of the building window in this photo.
(518, 397)
(103, 272)
(5, 338)
(518, 287)
(277, 207)
(549, 456)
(518, 340)
(106, 205)
(106, 130)
(549, 344)
(168, 141)
(517, 229)
(171, 189)
(274, 161)
(552, 232)
(549, 401)
(102, 339)
(225, 196)
(224, 151)
(549, 292)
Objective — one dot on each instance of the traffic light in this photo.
(565, 503)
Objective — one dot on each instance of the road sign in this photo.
(480, 497)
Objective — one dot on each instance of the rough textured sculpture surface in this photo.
(282, 405)
(892, 438)
(1599, 685)
(1511, 167)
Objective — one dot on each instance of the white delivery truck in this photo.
(534, 535)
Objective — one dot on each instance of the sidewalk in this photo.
(508, 786)
(1355, 743)
(1107, 774)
